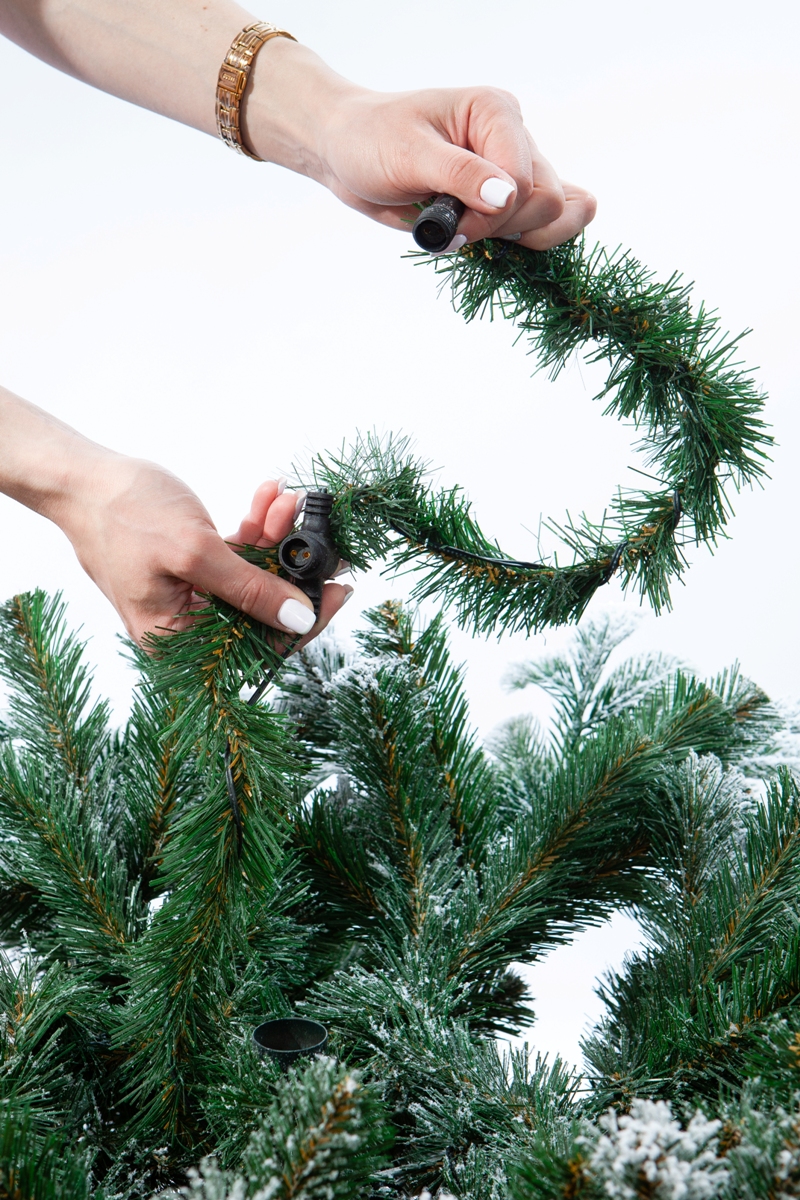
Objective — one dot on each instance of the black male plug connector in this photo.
(310, 555)
(437, 225)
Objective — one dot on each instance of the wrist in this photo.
(291, 100)
(90, 487)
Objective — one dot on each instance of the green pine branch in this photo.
(725, 963)
(70, 865)
(217, 881)
(671, 371)
(185, 962)
(391, 872)
(388, 861)
(41, 1168)
(51, 1027)
(50, 687)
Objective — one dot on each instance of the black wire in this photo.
(268, 678)
(616, 559)
(233, 799)
(510, 564)
(677, 508)
(262, 687)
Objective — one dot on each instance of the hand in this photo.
(150, 546)
(385, 151)
(381, 152)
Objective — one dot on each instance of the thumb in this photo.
(267, 597)
(481, 185)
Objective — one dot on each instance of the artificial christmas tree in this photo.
(388, 898)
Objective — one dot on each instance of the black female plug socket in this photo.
(310, 555)
(437, 225)
(289, 1038)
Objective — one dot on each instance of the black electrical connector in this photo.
(437, 225)
(288, 1038)
(310, 555)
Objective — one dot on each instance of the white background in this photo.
(227, 319)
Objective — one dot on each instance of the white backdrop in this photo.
(124, 238)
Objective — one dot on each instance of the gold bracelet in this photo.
(232, 81)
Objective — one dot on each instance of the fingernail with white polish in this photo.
(300, 505)
(348, 593)
(295, 616)
(510, 237)
(458, 241)
(281, 485)
(496, 192)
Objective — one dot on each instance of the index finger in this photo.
(539, 192)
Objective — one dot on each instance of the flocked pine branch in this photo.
(692, 1013)
(321, 1137)
(216, 880)
(392, 904)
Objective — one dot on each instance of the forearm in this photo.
(165, 55)
(44, 464)
(160, 55)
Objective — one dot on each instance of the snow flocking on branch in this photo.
(649, 1145)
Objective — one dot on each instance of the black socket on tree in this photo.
(310, 555)
(437, 225)
(288, 1038)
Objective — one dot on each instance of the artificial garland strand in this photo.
(671, 373)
